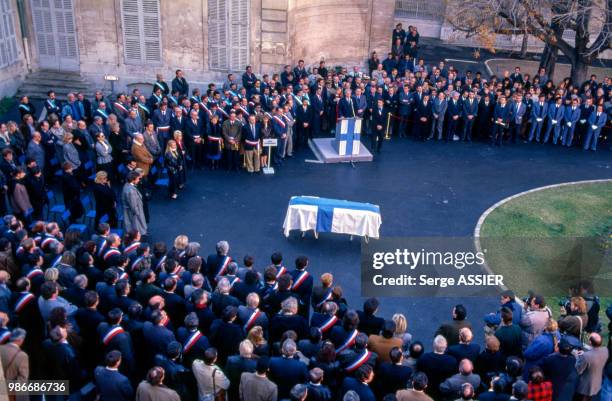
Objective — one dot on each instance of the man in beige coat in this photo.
(590, 365)
(256, 386)
(417, 392)
(141, 154)
(15, 362)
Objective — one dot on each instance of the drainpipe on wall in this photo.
(24, 33)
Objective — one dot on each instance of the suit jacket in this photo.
(464, 351)
(157, 338)
(502, 113)
(437, 367)
(143, 157)
(133, 125)
(121, 342)
(360, 104)
(412, 395)
(255, 388)
(538, 111)
(231, 132)
(280, 323)
(379, 117)
(151, 142)
(370, 324)
(178, 124)
(571, 116)
(363, 390)
(396, 377)
(148, 392)
(590, 367)
(112, 385)
(249, 135)
(556, 113)
(234, 368)
(600, 121)
(347, 108)
(193, 130)
(180, 85)
(439, 107)
(454, 108)
(382, 346)
(470, 109)
(160, 119)
(15, 362)
(287, 372)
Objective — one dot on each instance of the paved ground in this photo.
(423, 189)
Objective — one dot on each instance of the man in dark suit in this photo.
(437, 365)
(470, 112)
(89, 319)
(518, 110)
(225, 334)
(369, 323)
(539, 111)
(60, 359)
(465, 349)
(236, 365)
(287, 371)
(318, 109)
(175, 304)
(114, 337)
(423, 115)
(501, 119)
(304, 119)
(112, 385)
(395, 375)
(179, 84)
(156, 335)
(405, 107)
(379, 125)
(194, 135)
(248, 79)
(360, 383)
(453, 112)
(288, 319)
(346, 106)
(302, 285)
(193, 341)
(317, 391)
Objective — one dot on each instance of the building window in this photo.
(228, 34)
(8, 40)
(141, 31)
(430, 10)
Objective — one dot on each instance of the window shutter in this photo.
(141, 31)
(8, 40)
(239, 28)
(151, 31)
(217, 34)
(64, 20)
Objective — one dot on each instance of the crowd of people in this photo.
(159, 322)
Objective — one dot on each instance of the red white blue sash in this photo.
(350, 341)
(214, 138)
(328, 324)
(206, 109)
(252, 319)
(223, 111)
(102, 246)
(280, 121)
(192, 341)
(161, 262)
(33, 273)
(111, 252)
(122, 275)
(363, 358)
(47, 241)
(4, 337)
(326, 298)
(234, 281)
(165, 321)
(224, 265)
(122, 107)
(132, 247)
(300, 280)
(136, 261)
(281, 270)
(111, 334)
(23, 301)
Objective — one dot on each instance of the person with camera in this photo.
(534, 318)
(573, 320)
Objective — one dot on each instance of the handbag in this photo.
(218, 396)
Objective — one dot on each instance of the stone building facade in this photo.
(135, 39)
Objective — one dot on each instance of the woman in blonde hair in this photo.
(260, 345)
(542, 346)
(172, 160)
(401, 330)
(180, 246)
(106, 199)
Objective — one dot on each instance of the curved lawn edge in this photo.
(487, 212)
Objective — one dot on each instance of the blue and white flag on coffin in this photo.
(321, 215)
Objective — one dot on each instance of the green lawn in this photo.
(545, 240)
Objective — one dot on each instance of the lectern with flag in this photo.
(348, 136)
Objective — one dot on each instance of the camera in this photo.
(565, 303)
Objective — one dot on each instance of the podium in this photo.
(348, 136)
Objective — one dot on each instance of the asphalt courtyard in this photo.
(423, 189)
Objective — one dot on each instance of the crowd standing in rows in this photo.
(152, 322)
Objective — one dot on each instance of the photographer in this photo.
(573, 318)
(534, 318)
(586, 290)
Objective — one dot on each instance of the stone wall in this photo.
(12, 75)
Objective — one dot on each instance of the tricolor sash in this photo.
(349, 342)
(33, 273)
(234, 281)
(132, 247)
(214, 138)
(47, 241)
(223, 111)
(163, 128)
(4, 337)
(122, 275)
(328, 324)
(23, 301)
(280, 121)
(56, 261)
(281, 270)
(206, 109)
(135, 262)
(111, 252)
(193, 339)
(102, 246)
(224, 265)
(252, 319)
(252, 143)
(243, 110)
(326, 298)
(300, 280)
(161, 262)
(363, 358)
(165, 321)
(122, 107)
(111, 334)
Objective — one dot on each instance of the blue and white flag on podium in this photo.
(348, 136)
(332, 215)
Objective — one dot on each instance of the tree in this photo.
(546, 20)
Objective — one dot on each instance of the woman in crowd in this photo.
(104, 158)
(20, 201)
(266, 133)
(106, 199)
(214, 142)
(174, 165)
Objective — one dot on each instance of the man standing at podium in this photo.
(379, 125)
(346, 106)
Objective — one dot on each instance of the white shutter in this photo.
(217, 34)
(239, 34)
(141, 31)
(8, 40)
(64, 21)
